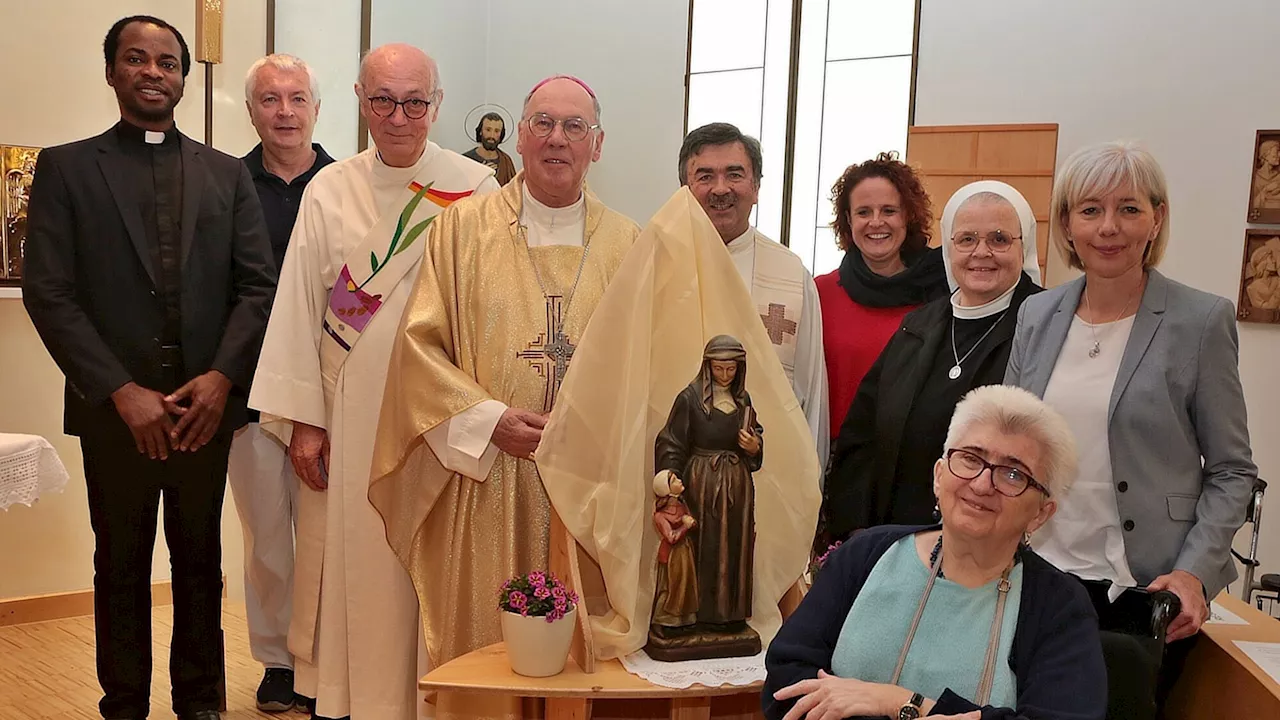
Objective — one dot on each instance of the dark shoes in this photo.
(275, 693)
(200, 715)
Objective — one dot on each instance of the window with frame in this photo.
(852, 79)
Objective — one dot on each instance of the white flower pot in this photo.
(535, 647)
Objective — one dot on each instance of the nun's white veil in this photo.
(1030, 260)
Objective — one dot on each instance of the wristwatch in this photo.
(911, 711)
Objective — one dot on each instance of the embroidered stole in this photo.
(777, 287)
(378, 264)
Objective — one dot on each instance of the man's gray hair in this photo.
(715, 134)
(432, 67)
(280, 61)
(595, 101)
(1014, 411)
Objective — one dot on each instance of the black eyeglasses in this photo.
(575, 128)
(414, 108)
(1008, 481)
(997, 241)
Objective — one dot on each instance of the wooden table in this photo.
(571, 694)
(1219, 680)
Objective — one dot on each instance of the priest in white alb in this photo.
(355, 253)
(721, 167)
(506, 289)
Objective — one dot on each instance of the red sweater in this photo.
(852, 337)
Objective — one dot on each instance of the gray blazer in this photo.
(1179, 440)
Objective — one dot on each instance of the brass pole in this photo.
(208, 53)
(271, 27)
(208, 104)
(793, 99)
(366, 30)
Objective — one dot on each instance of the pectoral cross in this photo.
(549, 353)
(777, 324)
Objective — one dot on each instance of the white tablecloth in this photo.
(29, 468)
(687, 673)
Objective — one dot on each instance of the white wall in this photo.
(1192, 80)
(326, 34)
(493, 51)
(633, 55)
(456, 35)
(59, 96)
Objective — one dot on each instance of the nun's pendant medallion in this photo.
(954, 372)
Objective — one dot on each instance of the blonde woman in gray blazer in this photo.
(1145, 370)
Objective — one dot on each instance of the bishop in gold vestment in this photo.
(479, 327)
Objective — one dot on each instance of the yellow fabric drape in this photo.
(675, 290)
(475, 308)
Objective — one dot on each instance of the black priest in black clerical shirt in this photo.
(149, 277)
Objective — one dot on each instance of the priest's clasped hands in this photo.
(519, 431)
(198, 405)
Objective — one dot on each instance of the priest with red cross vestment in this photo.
(721, 167)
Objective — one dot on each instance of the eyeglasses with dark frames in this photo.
(1008, 481)
(414, 108)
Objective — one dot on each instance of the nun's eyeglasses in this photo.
(997, 241)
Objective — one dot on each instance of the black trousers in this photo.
(126, 489)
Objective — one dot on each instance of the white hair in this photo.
(432, 67)
(280, 61)
(1014, 411)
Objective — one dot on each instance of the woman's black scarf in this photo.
(923, 280)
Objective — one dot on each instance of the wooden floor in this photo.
(47, 670)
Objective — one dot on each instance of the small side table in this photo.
(29, 468)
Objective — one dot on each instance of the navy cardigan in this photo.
(1056, 656)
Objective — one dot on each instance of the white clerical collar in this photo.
(152, 137)
(743, 242)
(977, 312)
(533, 212)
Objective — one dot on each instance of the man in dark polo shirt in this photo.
(284, 101)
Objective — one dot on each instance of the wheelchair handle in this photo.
(1165, 606)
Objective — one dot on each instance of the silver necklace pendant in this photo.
(1093, 351)
(954, 372)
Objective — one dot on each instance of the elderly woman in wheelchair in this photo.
(961, 618)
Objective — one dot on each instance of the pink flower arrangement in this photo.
(821, 560)
(537, 594)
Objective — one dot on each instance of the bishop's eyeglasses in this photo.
(575, 128)
(1008, 481)
(414, 108)
(997, 241)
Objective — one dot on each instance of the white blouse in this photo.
(1084, 537)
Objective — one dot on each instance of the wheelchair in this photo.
(1133, 630)
(1267, 587)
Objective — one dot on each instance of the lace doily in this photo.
(709, 673)
(29, 468)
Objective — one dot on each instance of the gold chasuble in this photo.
(676, 290)
(479, 326)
